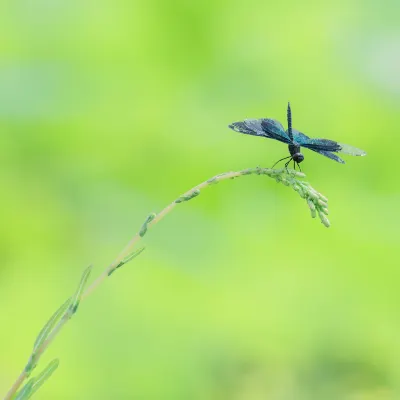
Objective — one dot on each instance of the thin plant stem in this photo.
(316, 202)
(128, 248)
(19, 381)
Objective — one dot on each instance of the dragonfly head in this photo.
(298, 157)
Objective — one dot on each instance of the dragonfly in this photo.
(273, 129)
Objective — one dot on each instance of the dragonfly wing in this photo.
(255, 126)
(242, 128)
(303, 140)
(275, 130)
(314, 144)
(321, 144)
(353, 151)
(261, 127)
(330, 155)
(299, 137)
(331, 145)
(325, 145)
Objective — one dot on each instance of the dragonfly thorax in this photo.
(294, 150)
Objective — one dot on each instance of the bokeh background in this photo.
(111, 109)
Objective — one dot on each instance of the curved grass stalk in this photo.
(317, 203)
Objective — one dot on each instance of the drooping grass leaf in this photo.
(39, 380)
(76, 298)
(50, 325)
(128, 258)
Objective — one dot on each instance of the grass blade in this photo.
(128, 258)
(76, 298)
(50, 325)
(39, 380)
(25, 392)
(143, 229)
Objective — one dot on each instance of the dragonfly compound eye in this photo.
(298, 157)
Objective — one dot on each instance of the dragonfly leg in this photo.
(299, 166)
(286, 164)
(282, 160)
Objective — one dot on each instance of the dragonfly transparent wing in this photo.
(353, 151)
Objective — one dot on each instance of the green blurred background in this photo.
(111, 109)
